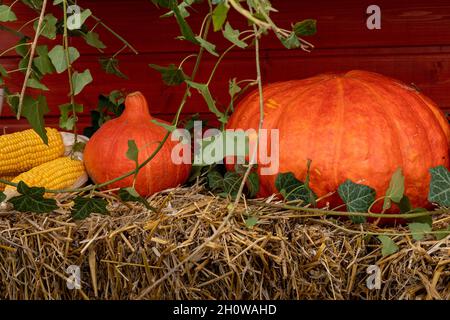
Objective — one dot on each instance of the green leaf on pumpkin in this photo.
(395, 190)
(357, 198)
(440, 186)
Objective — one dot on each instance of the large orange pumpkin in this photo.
(105, 153)
(358, 125)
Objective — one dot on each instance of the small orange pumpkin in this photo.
(358, 125)
(105, 153)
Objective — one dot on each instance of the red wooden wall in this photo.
(413, 45)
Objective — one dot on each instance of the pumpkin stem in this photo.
(136, 107)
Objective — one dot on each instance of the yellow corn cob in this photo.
(61, 173)
(24, 150)
(7, 178)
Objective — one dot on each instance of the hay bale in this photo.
(131, 254)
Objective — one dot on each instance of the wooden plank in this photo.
(340, 24)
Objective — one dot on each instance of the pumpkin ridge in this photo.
(340, 105)
(393, 123)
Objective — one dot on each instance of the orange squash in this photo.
(358, 125)
(105, 153)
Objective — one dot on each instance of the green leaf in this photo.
(291, 188)
(71, 20)
(233, 36)
(66, 121)
(56, 2)
(405, 205)
(32, 200)
(215, 180)
(418, 230)
(204, 91)
(93, 39)
(42, 61)
(233, 88)
(388, 245)
(357, 198)
(306, 27)
(231, 183)
(163, 3)
(166, 126)
(35, 84)
(33, 110)
(439, 236)
(185, 29)
(132, 152)
(83, 207)
(22, 47)
(58, 57)
(3, 71)
(440, 186)
(2, 197)
(395, 190)
(6, 14)
(171, 75)
(219, 15)
(111, 66)
(291, 42)
(250, 222)
(183, 9)
(211, 48)
(80, 80)
(252, 184)
(48, 27)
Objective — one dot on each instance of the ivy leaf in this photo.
(35, 84)
(48, 27)
(211, 48)
(233, 88)
(66, 121)
(251, 222)
(306, 27)
(219, 15)
(440, 186)
(80, 80)
(72, 23)
(33, 110)
(357, 198)
(439, 236)
(83, 207)
(2, 197)
(163, 3)
(231, 183)
(132, 152)
(418, 230)
(388, 245)
(93, 39)
(395, 190)
(42, 61)
(171, 75)
(233, 36)
(405, 205)
(215, 180)
(291, 188)
(291, 42)
(252, 184)
(32, 200)
(183, 9)
(131, 195)
(111, 66)
(6, 14)
(204, 91)
(3, 71)
(185, 29)
(58, 57)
